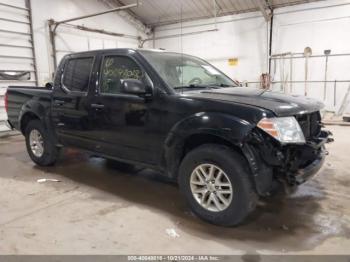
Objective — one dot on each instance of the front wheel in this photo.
(216, 184)
(40, 147)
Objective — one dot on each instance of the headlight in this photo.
(284, 129)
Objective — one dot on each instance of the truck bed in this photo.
(20, 98)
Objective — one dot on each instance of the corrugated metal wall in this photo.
(16, 48)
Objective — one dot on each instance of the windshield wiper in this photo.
(201, 86)
(192, 86)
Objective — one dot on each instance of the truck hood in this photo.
(280, 104)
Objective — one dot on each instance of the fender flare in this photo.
(34, 108)
(221, 125)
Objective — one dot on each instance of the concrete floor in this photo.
(96, 209)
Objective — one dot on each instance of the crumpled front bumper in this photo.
(290, 165)
(311, 169)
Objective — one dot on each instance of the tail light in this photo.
(6, 102)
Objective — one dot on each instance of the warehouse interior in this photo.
(296, 47)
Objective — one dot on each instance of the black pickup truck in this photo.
(225, 145)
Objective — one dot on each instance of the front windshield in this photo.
(186, 72)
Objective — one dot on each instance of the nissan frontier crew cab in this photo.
(225, 145)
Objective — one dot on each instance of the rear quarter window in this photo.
(76, 76)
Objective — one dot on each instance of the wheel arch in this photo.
(32, 110)
(195, 140)
(25, 119)
(199, 129)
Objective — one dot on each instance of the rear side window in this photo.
(77, 74)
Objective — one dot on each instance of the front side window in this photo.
(77, 74)
(114, 70)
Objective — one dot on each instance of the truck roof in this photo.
(116, 49)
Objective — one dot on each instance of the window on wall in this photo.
(115, 69)
(77, 74)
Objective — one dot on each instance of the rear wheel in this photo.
(216, 184)
(40, 147)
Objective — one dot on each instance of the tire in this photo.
(243, 197)
(49, 153)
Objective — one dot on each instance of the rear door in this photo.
(70, 100)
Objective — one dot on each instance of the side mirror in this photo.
(134, 87)
(49, 85)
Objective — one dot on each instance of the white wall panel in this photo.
(110, 43)
(242, 36)
(72, 40)
(320, 25)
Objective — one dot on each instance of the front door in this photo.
(126, 125)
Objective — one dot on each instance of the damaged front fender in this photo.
(212, 125)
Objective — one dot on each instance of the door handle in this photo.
(58, 102)
(97, 106)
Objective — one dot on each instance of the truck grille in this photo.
(310, 124)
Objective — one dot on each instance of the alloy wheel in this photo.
(211, 187)
(36, 143)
